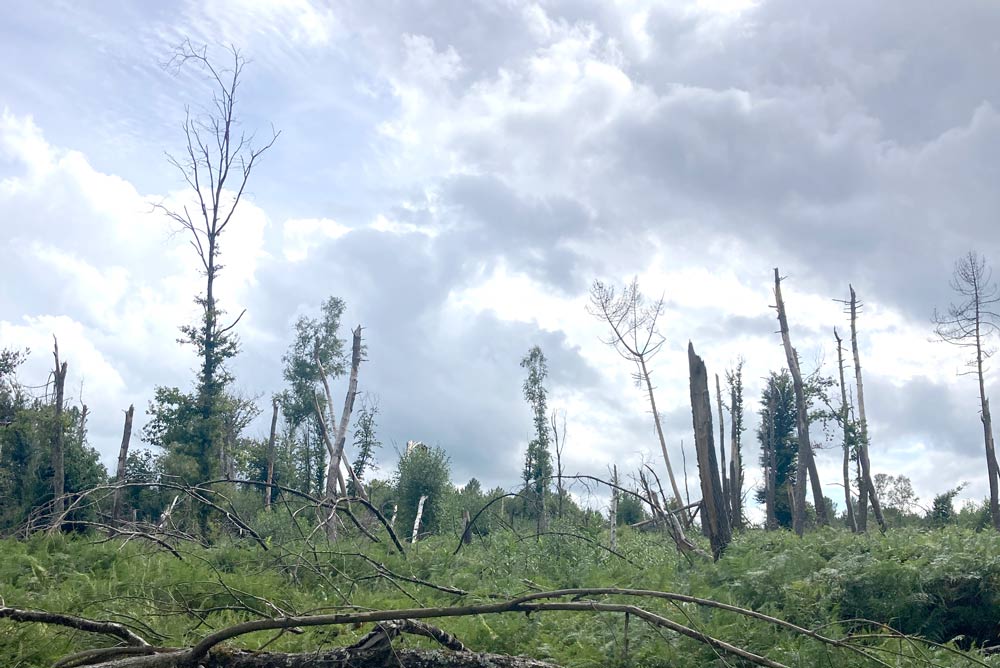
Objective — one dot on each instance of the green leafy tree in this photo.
(365, 440)
(942, 510)
(538, 458)
(778, 413)
(315, 351)
(426, 472)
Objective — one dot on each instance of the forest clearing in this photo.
(527, 334)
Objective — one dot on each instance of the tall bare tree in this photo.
(217, 163)
(806, 461)
(734, 381)
(636, 337)
(846, 427)
(557, 421)
(969, 323)
(867, 492)
(58, 429)
(726, 495)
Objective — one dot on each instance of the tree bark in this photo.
(851, 522)
(771, 479)
(614, 510)
(58, 455)
(659, 433)
(416, 520)
(714, 514)
(345, 417)
(122, 459)
(806, 464)
(270, 454)
(866, 473)
(726, 494)
(736, 456)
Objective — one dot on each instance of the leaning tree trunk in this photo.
(713, 509)
(270, 454)
(416, 520)
(345, 416)
(644, 372)
(866, 469)
(806, 462)
(851, 522)
(58, 456)
(122, 459)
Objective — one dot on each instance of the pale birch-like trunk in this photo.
(58, 454)
(416, 520)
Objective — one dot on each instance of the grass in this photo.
(943, 585)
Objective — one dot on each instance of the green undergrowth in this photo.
(942, 585)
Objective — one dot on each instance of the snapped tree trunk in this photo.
(58, 455)
(614, 509)
(345, 416)
(806, 461)
(416, 520)
(868, 493)
(851, 522)
(122, 459)
(735, 442)
(727, 498)
(268, 493)
(713, 514)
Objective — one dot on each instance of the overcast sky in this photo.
(459, 172)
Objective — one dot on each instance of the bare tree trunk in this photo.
(122, 459)
(659, 433)
(806, 462)
(866, 471)
(727, 499)
(614, 509)
(345, 416)
(467, 527)
(416, 520)
(851, 522)
(736, 456)
(58, 456)
(771, 480)
(560, 443)
(714, 513)
(268, 494)
(395, 510)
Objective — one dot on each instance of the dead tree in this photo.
(636, 337)
(726, 493)
(806, 461)
(734, 380)
(416, 520)
(270, 453)
(58, 454)
(868, 487)
(559, 441)
(614, 508)
(122, 459)
(771, 474)
(844, 423)
(216, 165)
(968, 324)
(714, 515)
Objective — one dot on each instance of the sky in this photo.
(460, 172)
